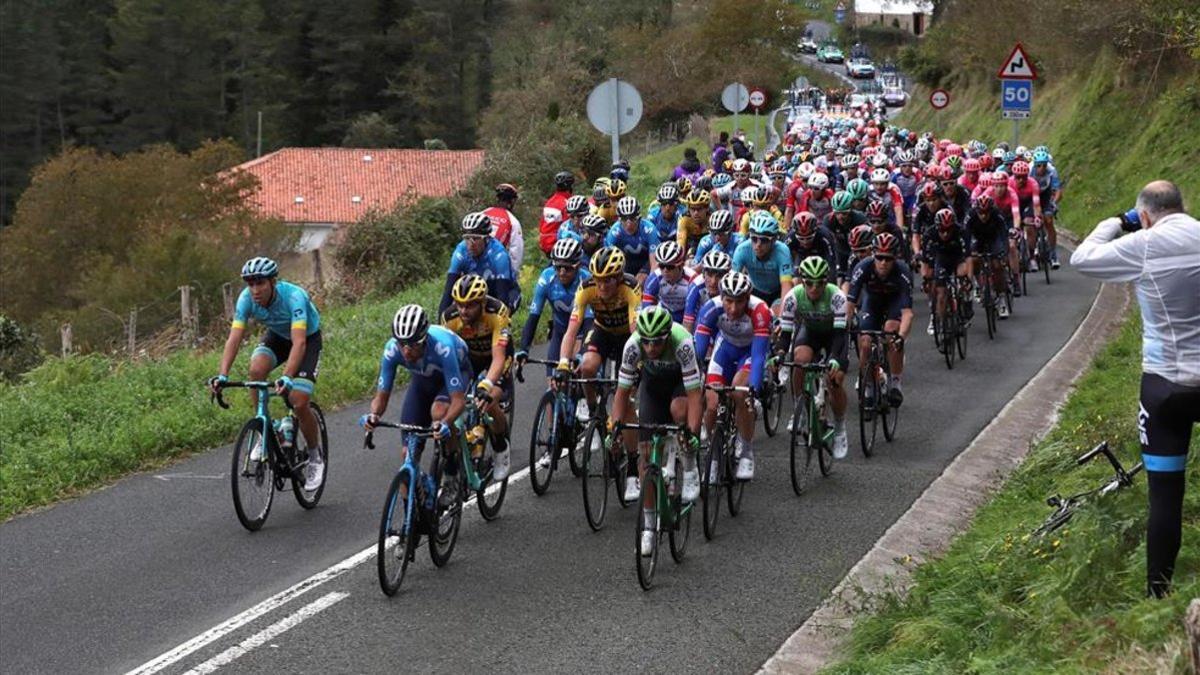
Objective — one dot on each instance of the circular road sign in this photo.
(939, 98)
(758, 98)
(614, 106)
(735, 97)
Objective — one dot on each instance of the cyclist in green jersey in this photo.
(814, 320)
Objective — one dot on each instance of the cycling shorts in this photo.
(1166, 414)
(997, 246)
(875, 311)
(420, 396)
(278, 348)
(655, 395)
(820, 342)
(608, 345)
(726, 361)
(945, 266)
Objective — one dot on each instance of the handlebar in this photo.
(636, 426)
(369, 437)
(232, 384)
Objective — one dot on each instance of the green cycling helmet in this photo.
(857, 188)
(841, 201)
(814, 267)
(763, 223)
(654, 322)
(954, 162)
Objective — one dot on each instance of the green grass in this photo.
(999, 600)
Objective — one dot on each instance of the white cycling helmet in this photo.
(627, 207)
(735, 284)
(669, 253)
(716, 261)
(880, 176)
(566, 251)
(410, 324)
(818, 181)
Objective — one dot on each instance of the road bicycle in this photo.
(1021, 275)
(990, 297)
(872, 408)
(774, 390)
(720, 461)
(600, 466)
(663, 509)
(1064, 509)
(1041, 248)
(950, 329)
(811, 425)
(266, 460)
(556, 431)
(478, 456)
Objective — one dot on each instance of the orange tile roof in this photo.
(339, 185)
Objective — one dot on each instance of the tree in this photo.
(371, 130)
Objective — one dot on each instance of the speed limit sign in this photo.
(939, 99)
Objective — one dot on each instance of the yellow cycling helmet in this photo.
(684, 184)
(469, 288)
(615, 188)
(607, 262)
(697, 197)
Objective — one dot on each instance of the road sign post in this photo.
(735, 97)
(1016, 89)
(614, 107)
(758, 99)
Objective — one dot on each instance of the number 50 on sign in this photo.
(1016, 95)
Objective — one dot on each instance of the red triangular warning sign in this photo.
(1017, 66)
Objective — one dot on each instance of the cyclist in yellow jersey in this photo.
(762, 200)
(614, 298)
(694, 224)
(483, 323)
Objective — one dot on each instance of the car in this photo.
(830, 53)
(894, 96)
(807, 46)
(861, 68)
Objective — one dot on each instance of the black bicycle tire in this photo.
(388, 585)
(536, 449)
(949, 324)
(680, 533)
(891, 414)
(441, 547)
(253, 425)
(595, 517)
(824, 450)
(1044, 253)
(735, 489)
(773, 407)
(963, 326)
(298, 483)
(866, 377)
(710, 487)
(646, 574)
(490, 510)
(800, 461)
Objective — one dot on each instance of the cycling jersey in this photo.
(744, 226)
(959, 202)
(665, 227)
(554, 214)
(822, 244)
(550, 290)
(607, 210)
(971, 184)
(766, 275)
(290, 308)
(1049, 184)
(895, 285)
(1029, 194)
(690, 231)
(489, 330)
(637, 246)
(445, 360)
(672, 295)
(567, 231)
(990, 235)
(494, 265)
(506, 229)
(697, 296)
(824, 315)
(731, 198)
(709, 242)
(819, 204)
(611, 316)
(738, 341)
(908, 186)
(891, 197)
(1008, 204)
(678, 360)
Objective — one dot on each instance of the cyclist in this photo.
(858, 189)
(595, 229)
(817, 198)
(762, 200)
(601, 204)
(989, 234)
(668, 286)
(957, 198)
(729, 197)
(815, 314)
(635, 236)
(907, 179)
(575, 208)
(971, 175)
(555, 212)
(879, 219)
(882, 285)
(720, 237)
(483, 323)
(851, 167)
(741, 325)
(557, 285)
(860, 249)
(1029, 198)
(706, 285)
(479, 253)
(661, 355)
(292, 338)
(946, 252)
(765, 259)
(693, 224)
(1051, 192)
(664, 212)
(843, 219)
(884, 190)
(808, 238)
(440, 369)
(505, 226)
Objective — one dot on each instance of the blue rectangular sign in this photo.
(1016, 95)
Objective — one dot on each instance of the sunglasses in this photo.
(885, 258)
(474, 237)
(566, 267)
(669, 268)
(654, 342)
(412, 343)
(813, 283)
(761, 240)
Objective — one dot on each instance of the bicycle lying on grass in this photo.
(1064, 509)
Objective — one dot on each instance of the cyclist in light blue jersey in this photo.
(556, 285)
(766, 260)
(720, 237)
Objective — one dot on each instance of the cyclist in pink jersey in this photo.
(1029, 199)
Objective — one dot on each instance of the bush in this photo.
(386, 252)
(20, 350)
(371, 130)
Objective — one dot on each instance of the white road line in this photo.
(275, 601)
(267, 634)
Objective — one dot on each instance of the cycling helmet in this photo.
(564, 180)
(1020, 150)
(804, 224)
(814, 267)
(735, 284)
(410, 324)
(721, 180)
(566, 252)
(1041, 157)
(716, 261)
(818, 181)
(669, 253)
(858, 188)
(596, 224)
(861, 236)
(619, 172)
(885, 243)
(697, 197)
(682, 186)
(577, 205)
(922, 146)
(829, 146)
(945, 219)
(720, 222)
(1002, 146)
(762, 196)
(880, 176)
(876, 211)
(741, 166)
(469, 288)
(1041, 148)
(850, 161)
(668, 193)
(615, 189)
(905, 157)
(627, 207)
(805, 170)
(747, 193)
(600, 192)
(934, 172)
(954, 150)
(998, 155)
(985, 162)
(841, 201)
(476, 224)
(943, 144)
(879, 160)
(930, 189)
(260, 268)
(1020, 169)
(654, 322)
(999, 178)
(764, 224)
(972, 165)
(984, 203)
(1010, 157)
(506, 192)
(954, 163)
(607, 262)
(702, 183)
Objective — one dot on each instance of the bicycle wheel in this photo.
(824, 450)
(801, 450)
(490, 495)
(948, 328)
(1044, 253)
(681, 530)
(989, 309)
(252, 482)
(306, 498)
(868, 418)
(734, 488)
(595, 475)
(543, 445)
(773, 406)
(890, 413)
(710, 486)
(570, 430)
(963, 327)
(648, 520)
(447, 520)
(396, 540)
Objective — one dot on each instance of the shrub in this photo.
(20, 350)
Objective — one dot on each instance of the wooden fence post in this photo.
(67, 336)
(318, 271)
(227, 298)
(131, 333)
(185, 312)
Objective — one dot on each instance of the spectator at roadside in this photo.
(1160, 253)
(690, 168)
(741, 149)
(554, 213)
(720, 152)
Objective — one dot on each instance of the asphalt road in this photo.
(109, 581)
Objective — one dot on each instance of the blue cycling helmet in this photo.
(764, 224)
(721, 180)
(1010, 157)
(1041, 157)
(260, 268)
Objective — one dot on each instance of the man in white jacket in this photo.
(1160, 253)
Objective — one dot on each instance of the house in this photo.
(912, 16)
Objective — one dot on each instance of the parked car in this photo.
(861, 68)
(807, 46)
(830, 53)
(894, 96)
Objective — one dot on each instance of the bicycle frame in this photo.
(814, 388)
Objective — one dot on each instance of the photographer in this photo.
(1161, 254)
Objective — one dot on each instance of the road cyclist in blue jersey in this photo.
(482, 254)
(766, 260)
(706, 285)
(574, 210)
(720, 237)
(880, 298)
(556, 286)
(664, 213)
(635, 236)
(292, 338)
(669, 285)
